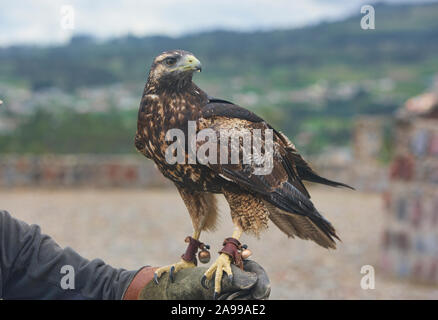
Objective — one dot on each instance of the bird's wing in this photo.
(224, 108)
(282, 187)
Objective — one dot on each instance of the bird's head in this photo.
(173, 69)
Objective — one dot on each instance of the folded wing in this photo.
(282, 189)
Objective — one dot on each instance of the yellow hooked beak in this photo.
(189, 62)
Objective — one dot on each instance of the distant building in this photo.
(369, 173)
(368, 138)
(410, 239)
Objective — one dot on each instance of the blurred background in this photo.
(361, 105)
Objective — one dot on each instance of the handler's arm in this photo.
(31, 264)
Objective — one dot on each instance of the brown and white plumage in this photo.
(169, 101)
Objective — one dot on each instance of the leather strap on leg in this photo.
(192, 249)
(232, 248)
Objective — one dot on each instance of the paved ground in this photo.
(130, 228)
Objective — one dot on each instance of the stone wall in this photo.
(133, 171)
(410, 239)
(79, 171)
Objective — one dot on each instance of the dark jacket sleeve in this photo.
(32, 266)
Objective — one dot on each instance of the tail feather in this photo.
(304, 227)
(313, 177)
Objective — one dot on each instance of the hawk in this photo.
(171, 100)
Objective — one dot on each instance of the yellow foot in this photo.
(221, 265)
(182, 264)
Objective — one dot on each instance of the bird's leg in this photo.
(188, 259)
(230, 253)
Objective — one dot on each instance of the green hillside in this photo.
(310, 82)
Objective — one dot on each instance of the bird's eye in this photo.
(170, 61)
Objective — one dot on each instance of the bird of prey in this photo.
(170, 101)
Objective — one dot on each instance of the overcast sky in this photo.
(39, 21)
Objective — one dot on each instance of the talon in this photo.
(172, 269)
(171, 273)
(215, 295)
(203, 283)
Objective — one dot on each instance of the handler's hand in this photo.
(252, 283)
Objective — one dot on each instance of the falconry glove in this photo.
(250, 283)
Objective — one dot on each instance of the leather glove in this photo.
(252, 283)
(261, 289)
